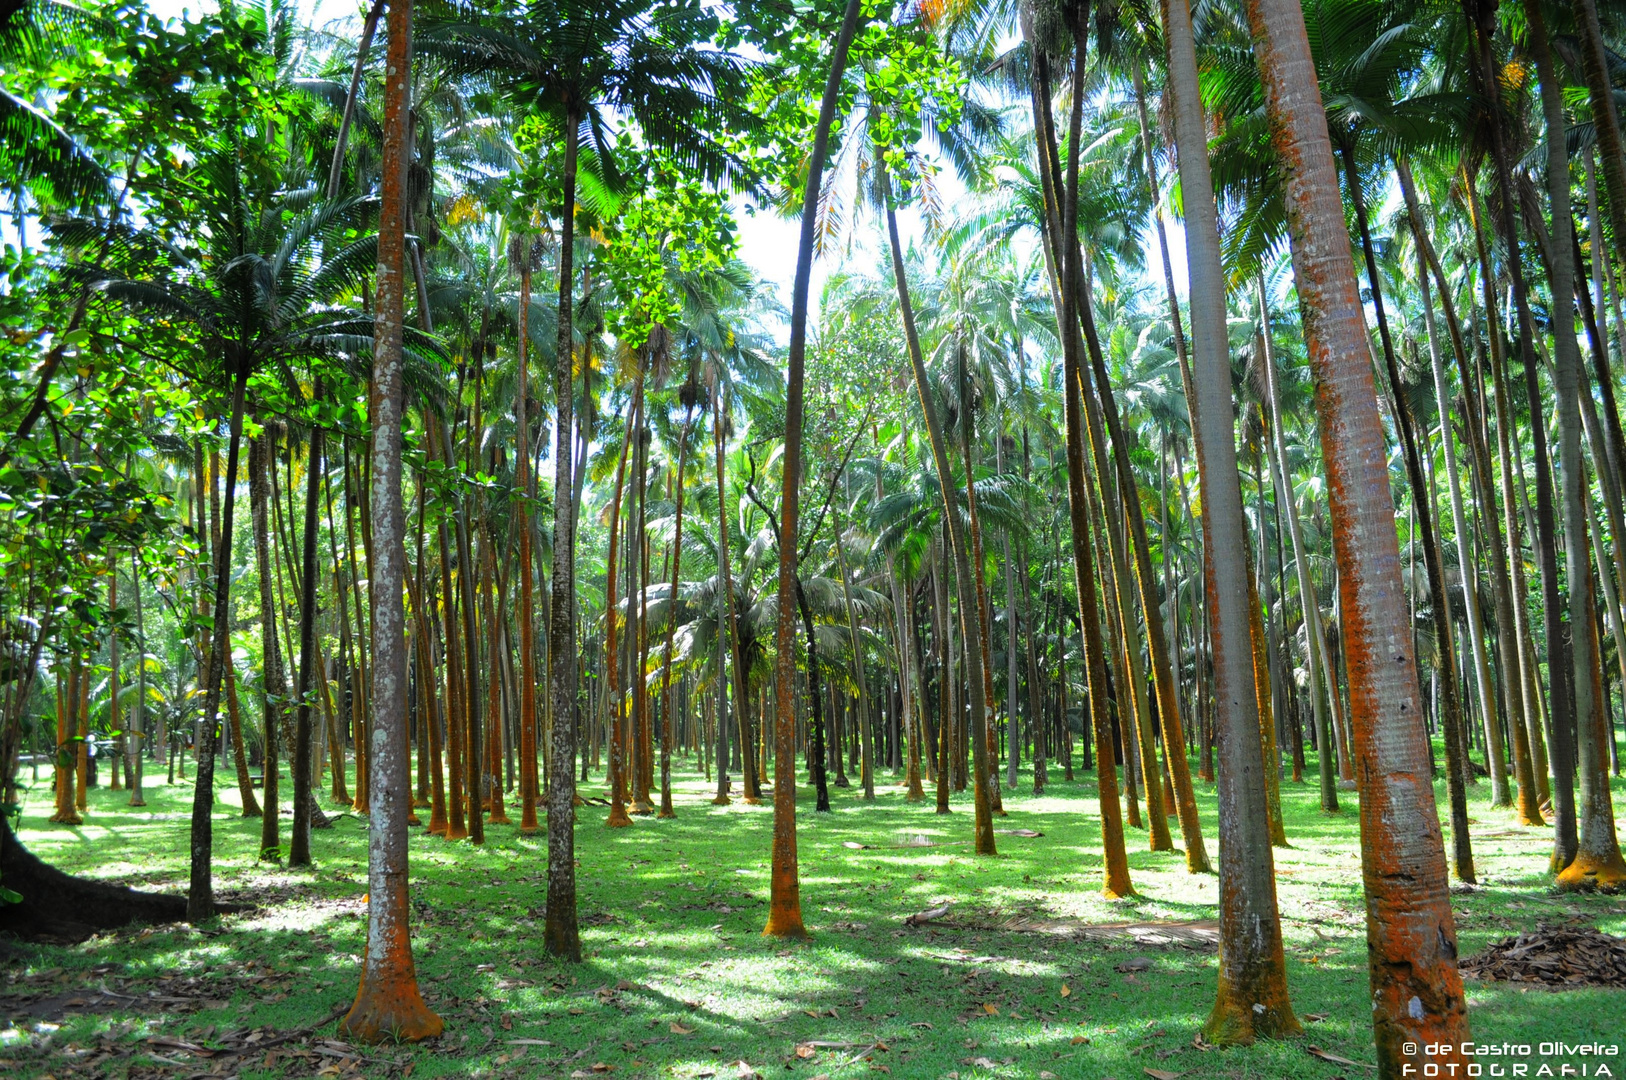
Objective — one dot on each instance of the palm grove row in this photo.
(535, 500)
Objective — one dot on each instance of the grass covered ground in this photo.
(678, 981)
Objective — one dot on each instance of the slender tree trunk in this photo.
(866, 759)
(522, 519)
(1061, 222)
(234, 713)
(200, 898)
(1316, 644)
(1457, 765)
(138, 715)
(667, 721)
(954, 528)
(1500, 795)
(618, 818)
(1520, 693)
(1252, 994)
(387, 1004)
(561, 936)
(1596, 859)
(1417, 995)
(785, 907)
(304, 720)
(1481, 17)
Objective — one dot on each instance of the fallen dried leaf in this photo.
(990, 1008)
(1315, 1018)
(529, 1042)
(1066, 991)
(1079, 1040)
(805, 1051)
(1162, 1074)
(1317, 1052)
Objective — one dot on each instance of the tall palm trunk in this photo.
(730, 626)
(1481, 16)
(1061, 223)
(1521, 694)
(305, 810)
(1500, 795)
(200, 897)
(1013, 750)
(1252, 995)
(1168, 698)
(912, 726)
(1316, 643)
(388, 1004)
(1416, 991)
(522, 522)
(138, 714)
(785, 904)
(724, 601)
(618, 818)
(561, 935)
(273, 684)
(1457, 766)
(667, 721)
(959, 551)
(1596, 859)
(866, 769)
(1115, 508)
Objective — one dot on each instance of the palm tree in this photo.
(388, 1005)
(1417, 995)
(785, 905)
(35, 151)
(578, 66)
(1597, 862)
(254, 298)
(1252, 998)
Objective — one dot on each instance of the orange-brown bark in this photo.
(1416, 990)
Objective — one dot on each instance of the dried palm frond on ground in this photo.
(1560, 955)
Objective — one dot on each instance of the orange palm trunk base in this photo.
(785, 907)
(390, 1009)
(1529, 808)
(456, 830)
(618, 818)
(1259, 1010)
(65, 814)
(1591, 872)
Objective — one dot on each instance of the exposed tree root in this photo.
(57, 906)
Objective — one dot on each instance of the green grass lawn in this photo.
(678, 980)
